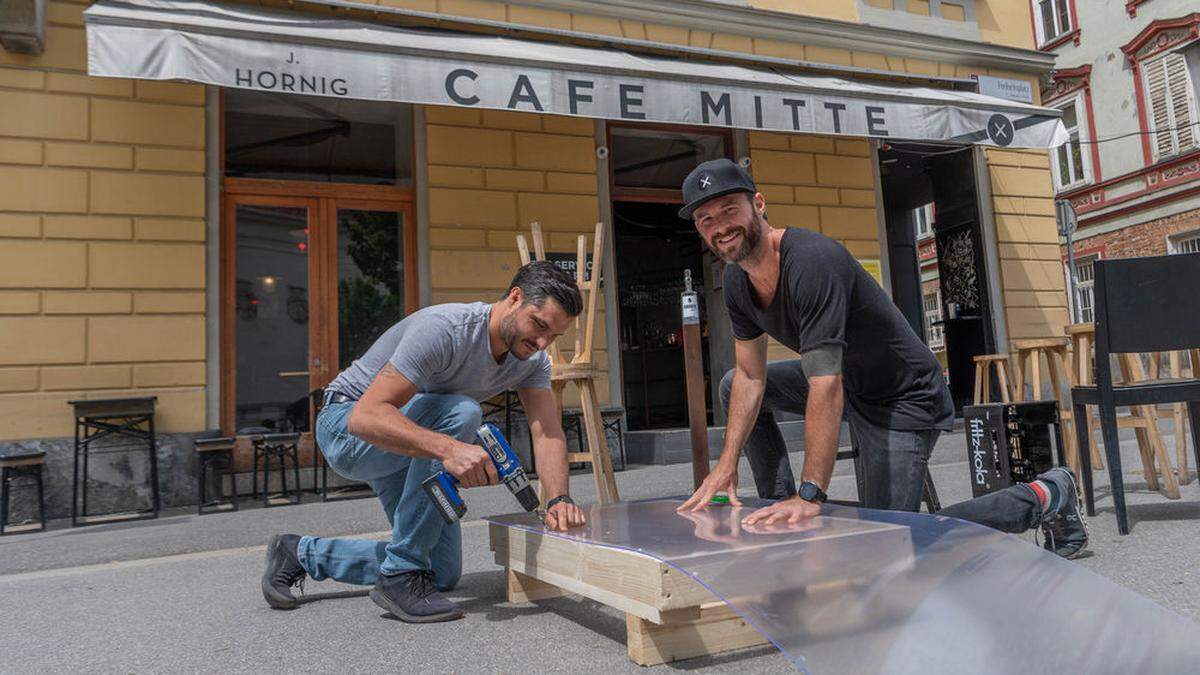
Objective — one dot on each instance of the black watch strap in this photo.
(561, 498)
(812, 492)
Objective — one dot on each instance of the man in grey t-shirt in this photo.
(409, 408)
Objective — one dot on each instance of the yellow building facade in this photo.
(114, 201)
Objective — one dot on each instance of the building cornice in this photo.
(707, 15)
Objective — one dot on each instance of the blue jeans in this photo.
(894, 461)
(421, 539)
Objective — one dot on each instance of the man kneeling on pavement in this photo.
(409, 408)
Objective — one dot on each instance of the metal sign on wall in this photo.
(286, 52)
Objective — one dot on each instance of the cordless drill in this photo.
(442, 487)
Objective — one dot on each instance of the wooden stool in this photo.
(28, 464)
(1174, 369)
(1054, 350)
(216, 453)
(1083, 337)
(983, 378)
(1142, 419)
(581, 370)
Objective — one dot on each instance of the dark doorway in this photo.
(654, 247)
(935, 246)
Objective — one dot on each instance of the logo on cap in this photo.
(705, 181)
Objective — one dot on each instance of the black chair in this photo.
(1142, 305)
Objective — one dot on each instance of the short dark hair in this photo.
(543, 279)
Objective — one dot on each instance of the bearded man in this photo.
(409, 408)
(859, 360)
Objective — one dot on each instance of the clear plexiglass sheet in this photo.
(865, 591)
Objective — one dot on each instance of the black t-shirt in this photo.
(824, 297)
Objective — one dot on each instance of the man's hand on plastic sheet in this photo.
(791, 511)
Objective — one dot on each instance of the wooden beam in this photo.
(717, 629)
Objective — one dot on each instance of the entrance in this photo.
(938, 271)
(308, 283)
(318, 247)
(653, 248)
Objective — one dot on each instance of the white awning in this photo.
(241, 47)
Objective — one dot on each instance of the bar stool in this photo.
(217, 454)
(283, 447)
(984, 364)
(23, 465)
(1054, 350)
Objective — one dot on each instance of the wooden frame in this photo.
(581, 370)
(669, 615)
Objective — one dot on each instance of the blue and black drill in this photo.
(442, 487)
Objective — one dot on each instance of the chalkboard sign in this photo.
(568, 261)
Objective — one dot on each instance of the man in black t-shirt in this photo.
(859, 359)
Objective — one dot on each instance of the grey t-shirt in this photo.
(444, 349)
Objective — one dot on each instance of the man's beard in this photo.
(751, 236)
(508, 334)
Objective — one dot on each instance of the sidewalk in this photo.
(182, 592)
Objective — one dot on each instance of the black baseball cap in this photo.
(713, 178)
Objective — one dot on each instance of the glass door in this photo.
(272, 347)
(309, 283)
(375, 274)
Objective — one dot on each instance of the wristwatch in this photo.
(811, 492)
(561, 498)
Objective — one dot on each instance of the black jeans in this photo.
(894, 461)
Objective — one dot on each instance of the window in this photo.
(1052, 19)
(934, 332)
(1085, 278)
(311, 138)
(1070, 168)
(1171, 105)
(1185, 243)
(923, 220)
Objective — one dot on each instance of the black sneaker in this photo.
(1063, 525)
(283, 572)
(412, 597)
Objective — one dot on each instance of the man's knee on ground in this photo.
(726, 387)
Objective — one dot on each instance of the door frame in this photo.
(618, 194)
(323, 200)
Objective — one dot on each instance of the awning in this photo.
(289, 52)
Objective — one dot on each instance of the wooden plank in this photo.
(642, 579)
(717, 629)
(523, 588)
